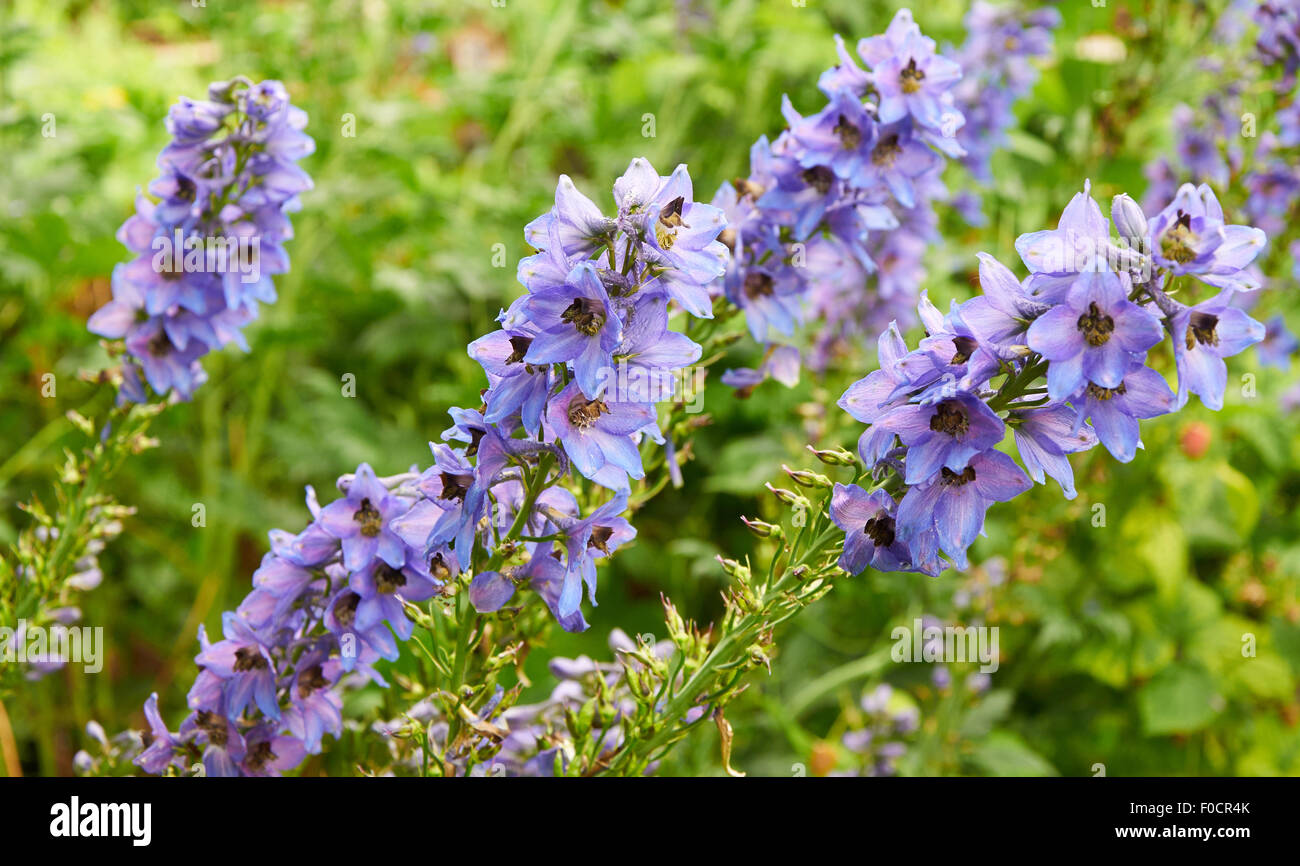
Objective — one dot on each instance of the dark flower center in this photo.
(388, 580)
(1096, 326)
(160, 345)
(583, 413)
(370, 519)
(910, 78)
(819, 177)
(213, 725)
(520, 346)
(260, 755)
(958, 479)
(475, 436)
(880, 529)
(438, 568)
(757, 285)
(311, 680)
(585, 314)
(1178, 243)
(1202, 328)
(850, 135)
(745, 187)
(965, 347)
(1097, 392)
(455, 486)
(950, 417)
(886, 151)
(249, 659)
(600, 536)
(345, 609)
(670, 217)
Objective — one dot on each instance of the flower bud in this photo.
(1130, 221)
(733, 568)
(834, 457)
(804, 478)
(789, 497)
(761, 529)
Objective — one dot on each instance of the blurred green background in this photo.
(1121, 644)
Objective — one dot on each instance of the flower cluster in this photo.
(573, 375)
(997, 71)
(1059, 360)
(1213, 143)
(845, 193)
(326, 604)
(207, 249)
(587, 352)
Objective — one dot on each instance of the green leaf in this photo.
(1177, 700)
(1005, 754)
(983, 716)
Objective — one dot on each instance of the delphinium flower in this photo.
(574, 376)
(1040, 359)
(996, 61)
(321, 606)
(813, 221)
(1214, 143)
(207, 248)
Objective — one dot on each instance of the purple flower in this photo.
(575, 220)
(897, 158)
(159, 743)
(460, 490)
(383, 589)
(223, 744)
(490, 590)
(1093, 336)
(678, 236)
(1044, 436)
(517, 387)
(243, 660)
(944, 435)
(587, 539)
(1080, 243)
(597, 435)
(269, 754)
(840, 137)
(576, 323)
(361, 521)
(868, 523)
(1203, 336)
(228, 176)
(1000, 316)
(315, 709)
(1114, 412)
(908, 75)
(1190, 237)
(953, 505)
(649, 352)
(548, 576)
